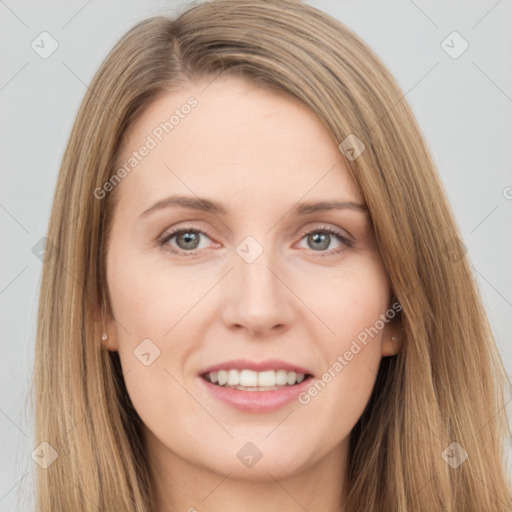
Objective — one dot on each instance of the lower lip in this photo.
(257, 401)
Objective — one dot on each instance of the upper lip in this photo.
(257, 366)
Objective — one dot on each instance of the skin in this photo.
(259, 153)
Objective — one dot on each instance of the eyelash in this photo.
(168, 235)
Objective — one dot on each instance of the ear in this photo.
(104, 323)
(392, 338)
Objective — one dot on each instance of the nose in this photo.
(259, 301)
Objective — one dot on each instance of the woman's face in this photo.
(261, 285)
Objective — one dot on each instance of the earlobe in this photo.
(391, 344)
(105, 329)
(109, 334)
(108, 344)
(392, 336)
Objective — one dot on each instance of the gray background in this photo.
(463, 105)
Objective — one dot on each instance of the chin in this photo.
(257, 458)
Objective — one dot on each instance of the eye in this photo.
(320, 239)
(187, 240)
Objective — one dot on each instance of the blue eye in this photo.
(187, 241)
(320, 239)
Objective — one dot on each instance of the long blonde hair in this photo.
(446, 385)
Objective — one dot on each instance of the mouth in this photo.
(255, 386)
(251, 380)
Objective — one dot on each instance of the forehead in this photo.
(235, 141)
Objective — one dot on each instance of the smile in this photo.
(255, 387)
(250, 380)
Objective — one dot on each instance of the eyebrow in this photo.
(207, 205)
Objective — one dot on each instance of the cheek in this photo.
(336, 399)
(149, 296)
(349, 302)
(157, 328)
(353, 309)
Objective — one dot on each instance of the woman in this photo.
(258, 297)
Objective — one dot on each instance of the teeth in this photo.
(291, 378)
(233, 377)
(267, 378)
(251, 380)
(281, 377)
(222, 375)
(248, 378)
